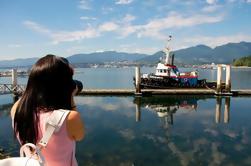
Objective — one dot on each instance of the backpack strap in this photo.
(53, 124)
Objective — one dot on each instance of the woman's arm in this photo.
(75, 126)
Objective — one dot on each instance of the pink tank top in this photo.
(60, 150)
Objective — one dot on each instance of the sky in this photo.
(34, 28)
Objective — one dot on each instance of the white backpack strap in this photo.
(53, 123)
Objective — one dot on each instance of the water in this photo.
(122, 77)
(159, 130)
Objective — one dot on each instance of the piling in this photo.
(14, 78)
(137, 81)
(138, 108)
(218, 110)
(14, 83)
(227, 110)
(219, 81)
(171, 119)
(228, 78)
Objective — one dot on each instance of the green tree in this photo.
(244, 61)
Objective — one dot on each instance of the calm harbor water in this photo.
(159, 130)
(122, 77)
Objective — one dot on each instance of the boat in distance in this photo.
(167, 75)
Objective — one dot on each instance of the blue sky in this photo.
(33, 28)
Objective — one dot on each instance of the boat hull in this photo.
(156, 82)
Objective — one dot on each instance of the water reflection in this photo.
(165, 107)
(5, 109)
(218, 109)
(159, 130)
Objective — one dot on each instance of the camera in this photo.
(79, 84)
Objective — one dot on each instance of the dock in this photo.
(18, 89)
(146, 92)
(15, 89)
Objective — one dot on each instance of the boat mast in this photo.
(167, 50)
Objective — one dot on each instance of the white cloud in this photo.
(211, 8)
(127, 30)
(211, 1)
(231, 1)
(181, 21)
(84, 4)
(62, 36)
(14, 45)
(36, 27)
(248, 1)
(107, 10)
(154, 27)
(128, 18)
(66, 36)
(124, 2)
(87, 18)
(108, 26)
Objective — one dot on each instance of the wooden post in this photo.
(228, 78)
(14, 78)
(219, 75)
(218, 110)
(137, 80)
(227, 110)
(138, 109)
(171, 118)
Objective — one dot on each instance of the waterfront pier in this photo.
(17, 89)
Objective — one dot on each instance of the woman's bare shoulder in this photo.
(75, 126)
(13, 109)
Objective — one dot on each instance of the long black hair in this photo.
(49, 87)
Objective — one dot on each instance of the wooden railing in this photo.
(9, 88)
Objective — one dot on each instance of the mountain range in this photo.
(199, 54)
(202, 54)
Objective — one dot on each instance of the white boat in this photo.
(167, 75)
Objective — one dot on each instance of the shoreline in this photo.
(241, 67)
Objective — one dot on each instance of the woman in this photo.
(50, 86)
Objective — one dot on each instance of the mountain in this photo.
(151, 58)
(97, 57)
(203, 54)
(107, 56)
(17, 62)
(199, 54)
(231, 51)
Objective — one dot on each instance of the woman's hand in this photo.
(74, 93)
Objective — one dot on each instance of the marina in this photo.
(147, 92)
(221, 89)
(140, 83)
(125, 127)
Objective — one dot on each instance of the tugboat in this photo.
(167, 75)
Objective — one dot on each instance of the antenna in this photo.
(168, 42)
(167, 50)
(169, 38)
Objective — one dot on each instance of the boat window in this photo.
(160, 71)
(164, 70)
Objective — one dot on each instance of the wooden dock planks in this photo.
(131, 92)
